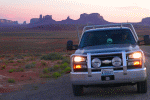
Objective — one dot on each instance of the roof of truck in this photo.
(105, 29)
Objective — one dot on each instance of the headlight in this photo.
(135, 55)
(79, 59)
(79, 64)
(135, 60)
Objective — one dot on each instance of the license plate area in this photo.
(107, 74)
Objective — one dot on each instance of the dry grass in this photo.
(35, 41)
(44, 41)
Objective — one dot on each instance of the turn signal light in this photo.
(77, 66)
(137, 63)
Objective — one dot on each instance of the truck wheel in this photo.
(142, 87)
(77, 90)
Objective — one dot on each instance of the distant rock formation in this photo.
(9, 22)
(45, 20)
(24, 23)
(93, 18)
(145, 21)
(34, 20)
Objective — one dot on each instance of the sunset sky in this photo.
(111, 10)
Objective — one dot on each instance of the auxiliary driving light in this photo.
(116, 61)
(96, 63)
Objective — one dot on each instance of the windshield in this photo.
(107, 37)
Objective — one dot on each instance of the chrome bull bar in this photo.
(89, 64)
(124, 63)
(123, 60)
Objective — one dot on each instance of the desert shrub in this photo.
(59, 62)
(19, 61)
(61, 71)
(6, 62)
(43, 63)
(34, 63)
(32, 58)
(19, 56)
(11, 61)
(56, 67)
(3, 67)
(37, 54)
(52, 56)
(64, 65)
(11, 58)
(11, 80)
(11, 70)
(15, 64)
(1, 61)
(67, 69)
(19, 70)
(45, 70)
(2, 56)
(27, 55)
(28, 66)
(65, 60)
(27, 59)
(44, 76)
(56, 75)
(51, 69)
(39, 66)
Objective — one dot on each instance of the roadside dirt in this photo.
(27, 76)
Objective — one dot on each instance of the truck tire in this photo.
(142, 87)
(77, 90)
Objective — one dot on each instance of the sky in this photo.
(111, 10)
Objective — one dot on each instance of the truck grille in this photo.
(106, 58)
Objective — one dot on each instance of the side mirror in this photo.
(139, 42)
(70, 45)
(146, 39)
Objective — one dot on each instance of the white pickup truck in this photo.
(108, 55)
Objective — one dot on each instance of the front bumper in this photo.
(132, 76)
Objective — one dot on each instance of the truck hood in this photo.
(107, 48)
